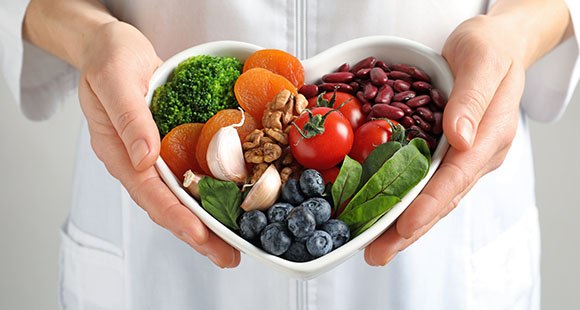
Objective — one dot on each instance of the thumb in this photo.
(476, 82)
(124, 101)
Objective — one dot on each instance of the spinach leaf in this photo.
(395, 178)
(221, 199)
(366, 226)
(423, 148)
(377, 159)
(362, 216)
(346, 182)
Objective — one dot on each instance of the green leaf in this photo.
(221, 199)
(376, 159)
(354, 233)
(346, 182)
(395, 178)
(422, 146)
(359, 217)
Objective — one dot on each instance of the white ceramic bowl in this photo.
(389, 49)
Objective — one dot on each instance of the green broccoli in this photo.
(201, 86)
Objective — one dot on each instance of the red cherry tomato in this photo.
(352, 110)
(369, 136)
(324, 150)
(329, 175)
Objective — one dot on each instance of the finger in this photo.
(219, 252)
(124, 101)
(477, 77)
(381, 251)
(459, 171)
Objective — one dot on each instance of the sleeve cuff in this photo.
(551, 81)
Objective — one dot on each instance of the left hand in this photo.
(480, 122)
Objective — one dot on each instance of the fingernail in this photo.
(214, 260)
(139, 150)
(390, 258)
(188, 239)
(465, 129)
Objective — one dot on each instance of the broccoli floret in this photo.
(201, 86)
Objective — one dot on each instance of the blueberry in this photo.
(311, 183)
(320, 243)
(301, 222)
(297, 253)
(338, 230)
(251, 224)
(278, 212)
(291, 192)
(275, 239)
(319, 207)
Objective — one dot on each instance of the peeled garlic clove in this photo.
(191, 182)
(265, 191)
(225, 156)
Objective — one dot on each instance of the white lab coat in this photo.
(484, 255)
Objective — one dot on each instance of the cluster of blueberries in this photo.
(298, 228)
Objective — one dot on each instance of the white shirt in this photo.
(484, 255)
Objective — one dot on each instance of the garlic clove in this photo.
(191, 182)
(265, 191)
(225, 156)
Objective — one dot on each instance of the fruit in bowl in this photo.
(360, 207)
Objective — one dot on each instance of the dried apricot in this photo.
(178, 149)
(279, 62)
(256, 87)
(221, 119)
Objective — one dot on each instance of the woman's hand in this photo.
(488, 58)
(115, 71)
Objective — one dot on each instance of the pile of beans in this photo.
(397, 92)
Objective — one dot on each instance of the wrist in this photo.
(531, 28)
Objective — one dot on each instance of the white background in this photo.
(35, 188)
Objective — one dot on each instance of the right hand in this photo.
(115, 72)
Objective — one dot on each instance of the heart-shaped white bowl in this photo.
(389, 49)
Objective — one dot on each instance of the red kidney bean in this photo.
(366, 108)
(420, 75)
(400, 67)
(421, 86)
(385, 94)
(359, 95)
(437, 127)
(388, 111)
(418, 101)
(381, 64)
(369, 91)
(421, 123)
(407, 121)
(330, 87)
(400, 75)
(309, 90)
(338, 77)
(370, 116)
(368, 62)
(404, 95)
(401, 86)
(391, 83)
(363, 73)
(355, 86)
(425, 114)
(438, 98)
(431, 142)
(378, 76)
(408, 111)
(343, 68)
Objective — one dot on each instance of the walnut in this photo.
(272, 152)
(286, 158)
(255, 155)
(257, 172)
(280, 111)
(285, 174)
(300, 104)
(278, 135)
(253, 139)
